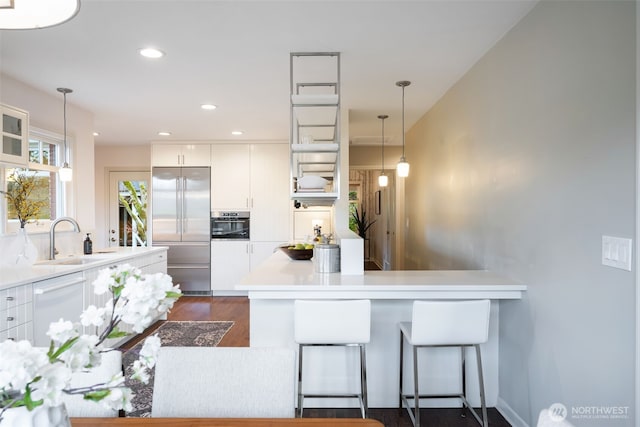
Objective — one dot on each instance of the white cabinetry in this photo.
(254, 177)
(15, 136)
(261, 251)
(16, 313)
(230, 176)
(55, 298)
(230, 262)
(270, 207)
(180, 155)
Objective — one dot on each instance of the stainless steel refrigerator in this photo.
(181, 220)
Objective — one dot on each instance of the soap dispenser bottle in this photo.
(88, 245)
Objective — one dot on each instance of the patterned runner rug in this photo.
(176, 334)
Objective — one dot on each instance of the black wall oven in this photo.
(230, 225)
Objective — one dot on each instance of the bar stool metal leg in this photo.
(363, 381)
(416, 394)
(401, 371)
(463, 411)
(300, 396)
(485, 420)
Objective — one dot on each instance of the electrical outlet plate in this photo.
(617, 252)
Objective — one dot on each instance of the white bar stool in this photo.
(445, 324)
(333, 323)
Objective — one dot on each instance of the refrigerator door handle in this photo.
(184, 209)
(178, 213)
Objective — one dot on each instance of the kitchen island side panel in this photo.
(335, 369)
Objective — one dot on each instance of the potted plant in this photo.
(21, 198)
(361, 223)
(19, 194)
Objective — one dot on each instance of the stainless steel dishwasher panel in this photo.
(189, 264)
(60, 297)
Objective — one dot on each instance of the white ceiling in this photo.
(235, 54)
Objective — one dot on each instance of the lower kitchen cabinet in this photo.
(263, 250)
(231, 261)
(53, 299)
(16, 313)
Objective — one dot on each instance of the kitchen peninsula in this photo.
(274, 286)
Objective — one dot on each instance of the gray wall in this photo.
(521, 168)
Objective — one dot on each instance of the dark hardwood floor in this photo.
(236, 309)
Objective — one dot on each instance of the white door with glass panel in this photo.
(128, 206)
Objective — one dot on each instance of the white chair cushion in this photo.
(332, 322)
(449, 322)
(221, 382)
(76, 405)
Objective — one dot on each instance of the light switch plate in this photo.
(617, 252)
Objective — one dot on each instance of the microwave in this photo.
(230, 225)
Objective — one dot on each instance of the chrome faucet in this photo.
(52, 233)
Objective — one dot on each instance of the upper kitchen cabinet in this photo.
(253, 177)
(230, 176)
(15, 136)
(315, 127)
(270, 204)
(180, 155)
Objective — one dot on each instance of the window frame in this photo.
(40, 226)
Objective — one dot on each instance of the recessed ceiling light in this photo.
(152, 53)
(96, 134)
(162, 133)
(208, 107)
(237, 132)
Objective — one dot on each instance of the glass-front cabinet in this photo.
(15, 138)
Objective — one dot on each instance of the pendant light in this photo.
(383, 180)
(34, 14)
(65, 173)
(403, 165)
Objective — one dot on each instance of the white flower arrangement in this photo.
(32, 376)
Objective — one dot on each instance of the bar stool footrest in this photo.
(465, 403)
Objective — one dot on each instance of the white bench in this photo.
(224, 382)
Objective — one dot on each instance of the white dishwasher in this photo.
(60, 297)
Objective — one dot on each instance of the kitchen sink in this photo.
(70, 261)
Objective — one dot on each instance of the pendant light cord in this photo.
(64, 118)
(402, 121)
(382, 117)
(64, 91)
(382, 145)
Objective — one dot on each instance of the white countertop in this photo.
(282, 278)
(10, 276)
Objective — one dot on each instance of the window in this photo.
(45, 150)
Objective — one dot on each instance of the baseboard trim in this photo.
(509, 414)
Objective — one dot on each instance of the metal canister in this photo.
(326, 258)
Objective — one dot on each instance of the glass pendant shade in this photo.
(403, 168)
(383, 180)
(65, 173)
(33, 14)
